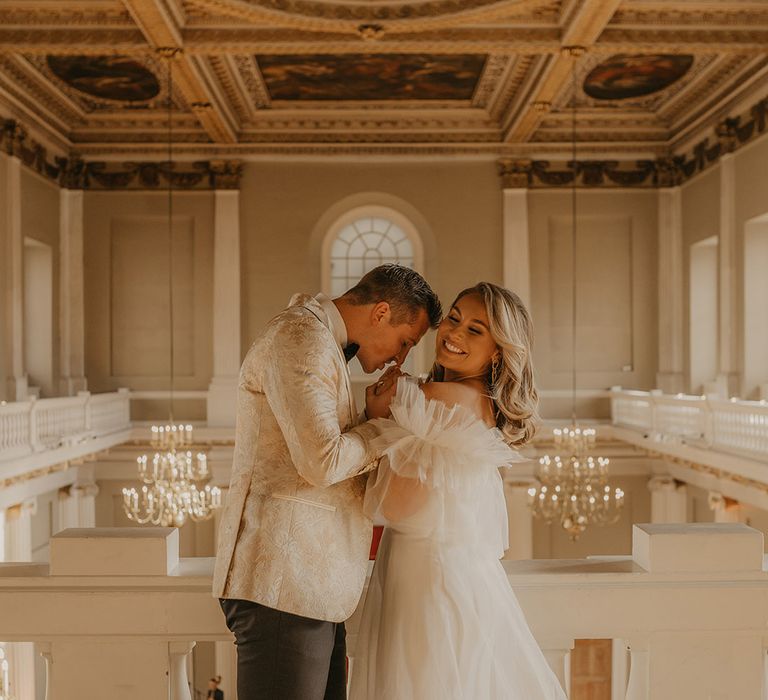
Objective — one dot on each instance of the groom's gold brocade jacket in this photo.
(293, 535)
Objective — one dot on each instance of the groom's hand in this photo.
(379, 395)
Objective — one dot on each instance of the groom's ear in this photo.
(380, 312)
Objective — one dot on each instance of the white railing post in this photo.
(86, 408)
(177, 655)
(34, 438)
(45, 650)
(638, 686)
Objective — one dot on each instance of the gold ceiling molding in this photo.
(370, 19)
(223, 107)
(668, 15)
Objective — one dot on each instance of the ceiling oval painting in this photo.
(372, 77)
(383, 10)
(107, 77)
(625, 76)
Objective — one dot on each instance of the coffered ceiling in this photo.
(232, 77)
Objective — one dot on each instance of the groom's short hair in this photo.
(404, 289)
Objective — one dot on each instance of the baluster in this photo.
(87, 409)
(45, 650)
(637, 687)
(177, 654)
(34, 436)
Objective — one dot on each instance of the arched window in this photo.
(364, 244)
(363, 238)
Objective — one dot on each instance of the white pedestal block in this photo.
(150, 551)
(697, 547)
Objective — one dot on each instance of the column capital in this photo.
(663, 483)
(27, 507)
(515, 173)
(84, 490)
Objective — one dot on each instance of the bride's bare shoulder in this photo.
(452, 393)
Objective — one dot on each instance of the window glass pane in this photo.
(396, 234)
(356, 249)
(348, 234)
(381, 225)
(372, 240)
(355, 269)
(339, 249)
(405, 249)
(387, 248)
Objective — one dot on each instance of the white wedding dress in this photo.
(440, 620)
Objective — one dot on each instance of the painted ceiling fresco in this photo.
(371, 77)
(108, 77)
(624, 76)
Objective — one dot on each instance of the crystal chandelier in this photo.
(174, 485)
(573, 485)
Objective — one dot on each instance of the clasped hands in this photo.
(379, 395)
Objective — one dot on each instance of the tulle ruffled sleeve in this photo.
(439, 475)
(438, 445)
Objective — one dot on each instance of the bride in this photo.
(440, 620)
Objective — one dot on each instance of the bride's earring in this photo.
(495, 367)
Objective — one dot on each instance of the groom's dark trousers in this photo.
(281, 656)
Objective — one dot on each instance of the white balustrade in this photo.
(36, 425)
(735, 427)
(632, 409)
(14, 429)
(691, 603)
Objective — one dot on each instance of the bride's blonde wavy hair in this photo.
(513, 392)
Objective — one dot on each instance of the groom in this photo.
(293, 542)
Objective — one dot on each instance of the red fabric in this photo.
(378, 531)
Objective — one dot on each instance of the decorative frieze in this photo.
(668, 171)
(586, 173)
(76, 173)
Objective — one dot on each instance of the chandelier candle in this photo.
(175, 488)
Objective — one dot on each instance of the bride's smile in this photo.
(465, 345)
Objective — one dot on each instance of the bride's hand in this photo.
(379, 395)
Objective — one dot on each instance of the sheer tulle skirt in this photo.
(442, 623)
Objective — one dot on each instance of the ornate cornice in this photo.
(532, 174)
(669, 171)
(152, 175)
(15, 141)
(76, 173)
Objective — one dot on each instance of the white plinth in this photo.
(697, 547)
(115, 551)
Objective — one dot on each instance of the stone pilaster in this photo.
(670, 377)
(222, 393)
(14, 379)
(669, 500)
(729, 376)
(71, 294)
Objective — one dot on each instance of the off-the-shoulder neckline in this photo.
(457, 406)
